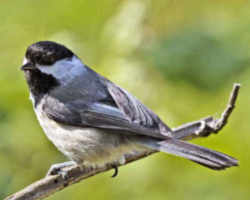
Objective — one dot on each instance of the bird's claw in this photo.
(115, 172)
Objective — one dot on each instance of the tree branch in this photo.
(51, 184)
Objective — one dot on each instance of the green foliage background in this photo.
(180, 58)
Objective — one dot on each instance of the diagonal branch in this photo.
(51, 184)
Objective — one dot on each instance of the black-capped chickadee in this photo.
(93, 121)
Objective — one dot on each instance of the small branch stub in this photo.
(229, 109)
(51, 184)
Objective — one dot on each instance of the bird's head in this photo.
(48, 64)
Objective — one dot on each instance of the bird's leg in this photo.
(115, 172)
(58, 168)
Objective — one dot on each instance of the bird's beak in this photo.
(28, 66)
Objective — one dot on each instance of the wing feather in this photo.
(119, 110)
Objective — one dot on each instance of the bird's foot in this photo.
(59, 169)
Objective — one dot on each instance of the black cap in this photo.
(47, 52)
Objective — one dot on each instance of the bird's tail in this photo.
(203, 156)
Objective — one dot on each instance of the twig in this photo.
(229, 109)
(51, 184)
(208, 125)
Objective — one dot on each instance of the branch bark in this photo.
(51, 184)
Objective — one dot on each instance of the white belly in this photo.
(89, 146)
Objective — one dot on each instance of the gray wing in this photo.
(116, 109)
(134, 110)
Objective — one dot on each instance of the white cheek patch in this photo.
(64, 70)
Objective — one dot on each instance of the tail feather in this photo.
(203, 156)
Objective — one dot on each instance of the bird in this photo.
(94, 122)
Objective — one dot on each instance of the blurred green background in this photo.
(180, 58)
